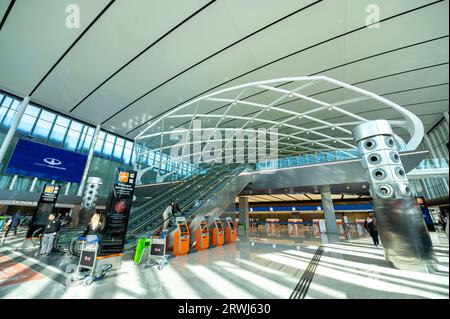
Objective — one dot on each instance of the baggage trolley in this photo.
(88, 263)
(157, 256)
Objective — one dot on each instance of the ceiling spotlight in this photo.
(348, 187)
(312, 143)
(252, 121)
(290, 95)
(334, 141)
(330, 108)
(307, 132)
(333, 128)
(300, 117)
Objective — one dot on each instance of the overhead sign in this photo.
(47, 162)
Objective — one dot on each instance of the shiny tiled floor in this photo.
(246, 269)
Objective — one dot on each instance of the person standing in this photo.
(14, 223)
(93, 229)
(371, 226)
(50, 230)
(167, 214)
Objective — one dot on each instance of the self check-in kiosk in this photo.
(230, 231)
(178, 240)
(218, 232)
(201, 234)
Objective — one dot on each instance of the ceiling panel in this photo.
(115, 39)
(35, 36)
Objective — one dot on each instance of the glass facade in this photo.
(44, 126)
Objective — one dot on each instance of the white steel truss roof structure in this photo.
(301, 129)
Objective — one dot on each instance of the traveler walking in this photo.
(51, 228)
(371, 226)
(14, 223)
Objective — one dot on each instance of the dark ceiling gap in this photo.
(72, 45)
(142, 52)
(7, 12)
(279, 59)
(209, 57)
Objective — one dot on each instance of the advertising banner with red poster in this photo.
(118, 212)
(271, 226)
(295, 227)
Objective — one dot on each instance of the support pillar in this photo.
(243, 213)
(12, 130)
(13, 182)
(88, 161)
(329, 214)
(66, 192)
(33, 184)
(403, 233)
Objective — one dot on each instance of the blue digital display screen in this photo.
(43, 161)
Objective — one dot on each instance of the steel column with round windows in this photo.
(403, 233)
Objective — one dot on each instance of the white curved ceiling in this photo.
(133, 61)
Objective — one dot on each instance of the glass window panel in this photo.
(76, 126)
(7, 102)
(321, 157)
(32, 110)
(331, 156)
(126, 155)
(42, 129)
(8, 118)
(15, 104)
(71, 139)
(57, 135)
(118, 152)
(47, 116)
(26, 123)
(3, 111)
(87, 143)
(62, 121)
(109, 144)
(100, 141)
(310, 159)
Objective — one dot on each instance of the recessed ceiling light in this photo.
(307, 132)
(300, 117)
(330, 108)
(335, 141)
(290, 95)
(333, 128)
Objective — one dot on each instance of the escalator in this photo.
(211, 192)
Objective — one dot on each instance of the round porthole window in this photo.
(385, 191)
(379, 174)
(389, 141)
(374, 158)
(369, 144)
(400, 172)
(394, 157)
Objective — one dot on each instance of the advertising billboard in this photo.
(47, 162)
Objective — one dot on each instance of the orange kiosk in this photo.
(201, 234)
(178, 240)
(230, 231)
(218, 235)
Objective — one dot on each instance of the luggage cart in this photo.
(88, 263)
(157, 255)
